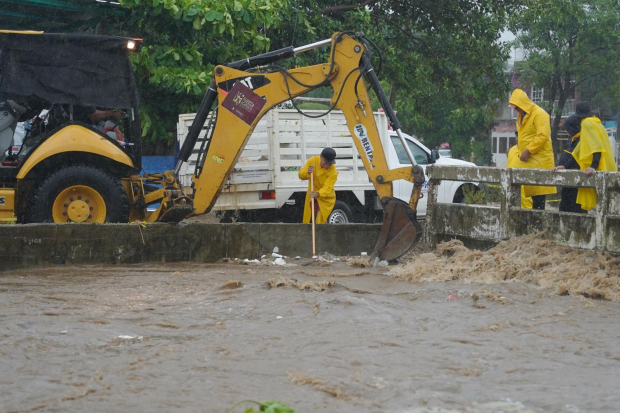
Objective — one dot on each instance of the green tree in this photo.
(183, 41)
(569, 46)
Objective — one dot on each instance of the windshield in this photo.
(420, 156)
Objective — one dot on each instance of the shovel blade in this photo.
(400, 231)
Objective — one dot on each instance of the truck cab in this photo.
(449, 191)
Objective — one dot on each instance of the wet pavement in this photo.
(325, 337)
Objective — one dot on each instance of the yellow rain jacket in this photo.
(593, 139)
(515, 162)
(535, 135)
(324, 181)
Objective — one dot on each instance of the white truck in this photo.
(264, 185)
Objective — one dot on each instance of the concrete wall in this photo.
(483, 224)
(42, 244)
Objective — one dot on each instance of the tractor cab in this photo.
(51, 82)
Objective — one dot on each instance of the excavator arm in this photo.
(243, 97)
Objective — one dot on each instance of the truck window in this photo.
(420, 156)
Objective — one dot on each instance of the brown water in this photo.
(320, 338)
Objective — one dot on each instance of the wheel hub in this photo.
(79, 203)
(338, 217)
(78, 211)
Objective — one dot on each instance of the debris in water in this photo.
(361, 262)
(531, 259)
(231, 285)
(328, 257)
(383, 263)
(318, 384)
(308, 285)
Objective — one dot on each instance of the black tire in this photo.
(110, 188)
(341, 214)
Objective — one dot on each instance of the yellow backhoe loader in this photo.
(68, 170)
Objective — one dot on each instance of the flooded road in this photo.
(325, 337)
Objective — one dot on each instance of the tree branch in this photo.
(339, 9)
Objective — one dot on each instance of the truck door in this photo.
(402, 188)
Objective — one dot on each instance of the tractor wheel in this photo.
(79, 194)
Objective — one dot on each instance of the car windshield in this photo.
(420, 156)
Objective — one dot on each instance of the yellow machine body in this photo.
(74, 138)
(7, 205)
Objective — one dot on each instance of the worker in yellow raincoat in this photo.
(535, 149)
(515, 162)
(592, 153)
(324, 196)
(568, 200)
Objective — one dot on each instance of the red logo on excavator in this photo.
(243, 103)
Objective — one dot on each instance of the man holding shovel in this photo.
(321, 171)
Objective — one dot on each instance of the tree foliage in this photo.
(441, 60)
(569, 46)
(183, 41)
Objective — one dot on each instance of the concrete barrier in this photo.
(485, 224)
(31, 245)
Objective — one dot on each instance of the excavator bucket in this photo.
(400, 232)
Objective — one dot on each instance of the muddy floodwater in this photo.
(327, 337)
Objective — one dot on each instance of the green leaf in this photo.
(270, 406)
(210, 16)
(247, 16)
(222, 27)
(218, 16)
(237, 6)
(196, 89)
(196, 23)
(155, 3)
(176, 56)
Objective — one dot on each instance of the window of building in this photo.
(494, 144)
(537, 94)
(512, 142)
(503, 141)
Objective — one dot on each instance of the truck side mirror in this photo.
(434, 155)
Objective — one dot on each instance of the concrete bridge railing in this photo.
(503, 219)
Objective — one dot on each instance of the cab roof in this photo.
(78, 69)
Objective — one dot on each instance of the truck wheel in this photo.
(79, 194)
(341, 214)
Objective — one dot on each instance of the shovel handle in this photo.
(312, 206)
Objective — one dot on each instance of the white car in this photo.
(449, 191)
